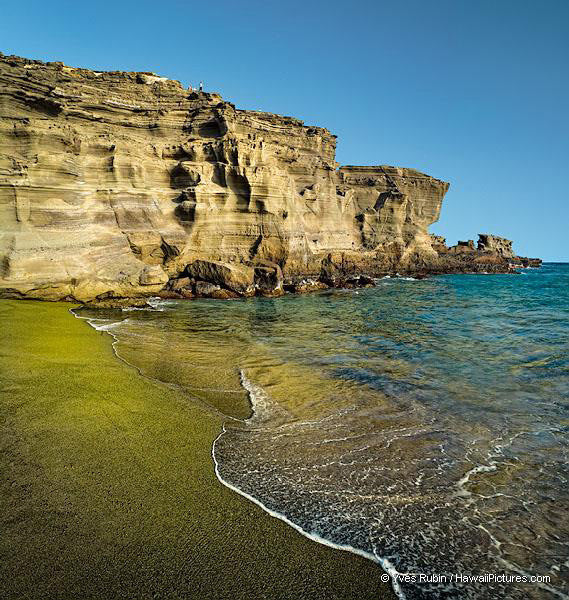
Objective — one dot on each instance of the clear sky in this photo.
(474, 92)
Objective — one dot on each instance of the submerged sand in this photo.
(108, 488)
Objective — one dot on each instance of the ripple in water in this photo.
(423, 423)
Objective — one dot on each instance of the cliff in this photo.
(116, 184)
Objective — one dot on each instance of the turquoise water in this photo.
(424, 423)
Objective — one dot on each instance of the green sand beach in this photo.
(108, 487)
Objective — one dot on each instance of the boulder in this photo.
(305, 286)
(268, 278)
(205, 289)
(439, 243)
(333, 271)
(181, 283)
(210, 290)
(360, 281)
(238, 278)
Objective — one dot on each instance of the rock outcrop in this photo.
(492, 254)
(495, 244)
(123, 185)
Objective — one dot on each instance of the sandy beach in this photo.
(109, 491)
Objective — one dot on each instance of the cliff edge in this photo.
(124, 185)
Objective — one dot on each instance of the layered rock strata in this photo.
(126, 185)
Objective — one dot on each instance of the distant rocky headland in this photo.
(117, 186)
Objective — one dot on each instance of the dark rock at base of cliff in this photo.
(361, 281)
(233, 277)
(345, 269)
(268, 278)
(182, 283)
(304, 286)
(215, 279)
(116, 303)
(204, 289)
(525, 262)
(493, 254)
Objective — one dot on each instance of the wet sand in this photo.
(108, 488)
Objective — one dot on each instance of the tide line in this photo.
(384, 563)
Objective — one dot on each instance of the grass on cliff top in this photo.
(107, 487)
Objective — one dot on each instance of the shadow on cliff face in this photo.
(394, 195)
(211, 129)
(185, 209)
(182, 177)
(206, 124)
(239, 185)
(46, 106)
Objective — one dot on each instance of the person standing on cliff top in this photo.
(201, 86)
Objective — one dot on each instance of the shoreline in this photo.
(305, 286)
(382, 562)
(109, 488)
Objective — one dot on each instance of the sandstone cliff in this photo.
(122, 184)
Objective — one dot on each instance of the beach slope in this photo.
(108, 488)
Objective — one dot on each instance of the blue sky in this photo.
(472, 92)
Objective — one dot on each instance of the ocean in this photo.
(422, 423)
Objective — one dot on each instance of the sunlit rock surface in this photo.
(112, 183)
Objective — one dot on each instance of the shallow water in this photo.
(424, 423)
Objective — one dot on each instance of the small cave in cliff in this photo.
(210, 129)
(182, 176)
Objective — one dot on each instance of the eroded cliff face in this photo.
(493, 243)
(115, 184)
